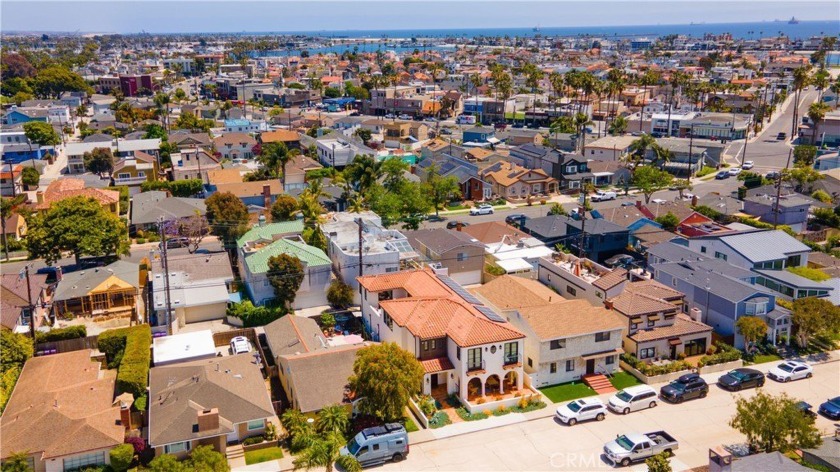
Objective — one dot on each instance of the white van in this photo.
(465, 120)
(634, 398)
(379, 444)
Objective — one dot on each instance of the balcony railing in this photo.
(511, 359)
(129, 180)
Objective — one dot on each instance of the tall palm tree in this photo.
(275, 156)
(801, 79)
(816, 112)
(162, 102)
(558, 82)
(618, 126)
(476, 81)
(639, 148)
(581, 121)
(835, 89)
(649, 78)
(616, 82)
(533, 75)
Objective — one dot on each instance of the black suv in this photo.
(686, 387)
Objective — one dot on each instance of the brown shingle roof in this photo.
(62, 404)
(569, 318)
(251, 189)
(611, 279)
(682, 326)
(235, 139)
(509, 292)
(642, 299)
(280, 135)
(318, 379)
(291, 334)
(493, 232)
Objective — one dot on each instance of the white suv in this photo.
(633, 398)
(482, 210)
(581, 410)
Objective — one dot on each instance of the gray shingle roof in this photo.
(794, 280)
(440, 240)
(673, 252)
(768, 245)
(703, 276)
(767, 462)
(78, 284)
(597, 226)
(147, 207)
(548, 226)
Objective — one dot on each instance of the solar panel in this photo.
(457, 288)
(490, 314)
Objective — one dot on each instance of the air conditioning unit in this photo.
(696, 314)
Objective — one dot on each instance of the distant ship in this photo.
(536, 29)
(793, 21)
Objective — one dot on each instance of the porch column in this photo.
(520, 380)
(502, 385)
(483, 385)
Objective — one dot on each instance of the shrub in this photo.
(706, 170)
(339, 295)
(427, 406)
(139, 444)
(141, 240)
(30, 177)
(501, 411)
(327, 320)
(60, 334)
(121, 457)
(467, 416)
(726, 353)
(124, 196)
(128, 349)
(481, 401)
(141, 402)
(254, 315)
(253, 440)
(270, 431)
(439, 419)
(487, 413)
(822, 196)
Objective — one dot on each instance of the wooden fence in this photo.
(66, 345)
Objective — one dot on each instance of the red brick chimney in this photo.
(267, 196)
(694, 200)
(208, 419)
(125, 415)
(638, 203)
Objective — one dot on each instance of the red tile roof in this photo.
(437, 365)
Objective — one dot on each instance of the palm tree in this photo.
(162, 102)
(558, 82)
(276, 156)
(816, 112)
(835, 89)
(618, 125)
(821, 80)
(581, 121)
(615, 85)
(639, 148)
(648, 79)
(533, 75)
(324, 453)
(332, 419)
(476, 81)
(801, 79)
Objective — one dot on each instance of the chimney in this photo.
(608, 304)
(261, 220)
(125, 415)
(720, 460)
(694, 200)
(267, 196)
(39, 195)
(638, 203)
(458, 226)
(208, 419)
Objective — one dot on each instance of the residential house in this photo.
(184, 139)
(261, 193)
(513, 182)
(537, 156)
(134, 170)
(791, 210)
(565, 340)
(148, 208)
(723, 293)
(11, 180)
(112, 290)
(723, 204)
(493, 232)
(691, 224)
(17, 153)
(457, 252)
(68, 187)
(15, 227)
(333, 197)
(199, 289)
(519, 137)
(599, 238)
(18, 293)
(207, 403)
(17, 115)
(260, 244)
(382, 251)
(194, 163)
(61, 396)
(584, 279)
(338, 152)
(609, 148)
(466, 348)
(480, 135)
(296, 170)
(235, 146)
(472, 185)
(245, 126)
(551, 229)
(120, 148)
(656, 326)
(606, 173)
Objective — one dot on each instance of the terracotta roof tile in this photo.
(437, 365)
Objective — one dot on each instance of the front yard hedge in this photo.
(128, 349)
(722, 354)
(61, 334)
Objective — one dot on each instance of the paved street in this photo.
(545, 444)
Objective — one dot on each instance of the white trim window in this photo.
(84, 460)
(175, 448)
(255, 425)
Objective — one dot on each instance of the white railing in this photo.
(129, 180)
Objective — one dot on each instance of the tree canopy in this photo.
(385, 400)
(650, 180)
(99, 161)
(813, 316)
(752, 328)
(41, 133)
(228, 217)
(79, 225)
(285, 208)
(52, 81)
(774, 423)
(285, 274)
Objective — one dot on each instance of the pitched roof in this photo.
(291, 334)
(251, 189)
(59, 397)
(148, 207)
(438, 364)
(80, 283)
(271, 231)
(681, 210)
(235, 139)
(682, 326)
(493, 232)
(440, 240)
(548, 226)
(281, 135)
(65, 188)
(310, 256)
(611, 279)
(433, 309)
(178, 392)
(318, 379)
(224, 176)
(569, 318)
(648, 296)
(14, 295)
(509, 292)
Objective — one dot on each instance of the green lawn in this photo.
(762, 358)
(622, 380)
(567, 391)
(410, 425)
(263, 455)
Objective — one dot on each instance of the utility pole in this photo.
(582, 213)
(359, 223)
(779, 192)
(30, 306)
(165, 265)
(690, 151)
(746, 140)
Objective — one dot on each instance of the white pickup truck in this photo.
(602, 196)
(636, 447)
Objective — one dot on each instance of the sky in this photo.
(161, 16)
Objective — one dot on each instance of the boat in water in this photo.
(793, 21)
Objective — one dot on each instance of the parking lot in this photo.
(546, 444)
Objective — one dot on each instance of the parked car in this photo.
(483, 209)
(519, 125)
(628, 204)
(635, 447)
(173, 243)
(781, 136)
(404, 117)
(806, 409)
(831, 408)
(748, 165)
(445, 131)
(602, 196)
(791, 370)
(379, 444)
(774, 175)
(454, 224)
(722, 175)
(734, 171)
(686, 387)
(515, 219)
(619, 260)
(240, 345)
(634, 398)
(584, 409)
(741, 378)
(390, 116)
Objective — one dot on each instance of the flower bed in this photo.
(720, 353)
(518, 404)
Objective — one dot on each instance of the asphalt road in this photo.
(546, 444)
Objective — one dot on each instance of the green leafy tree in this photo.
(207, 459)
(752, 328)
(285, 208)
(363, 172)
(774, 423)
(30, 177)
(441, 189)
(385, 400)
(322, 452)
(276, 156)
(313, 236)
(821, 196)
(812, 316)
(804, 155)
(669, 221)
(802, 176)
(8, 206)
(364, 134)
(18, 462)
(167, 463)
(285, 274)
(658, 463)
(52, 81)
(228, 217)
(79, 225)
(650, 180)
(41, 133)
(557, 209)
(99, 161)
(121, 457)
(186, 187)
(339, 295)
(15, 349)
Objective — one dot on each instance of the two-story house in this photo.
(583, 279)
(17, 292)
(466, 348)
(792, 209)
(656, 326)
(565, 340)
(194, 163)
(457, 252)
(132, 171)
(235, 146)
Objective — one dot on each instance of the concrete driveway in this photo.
(545, 444)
